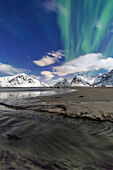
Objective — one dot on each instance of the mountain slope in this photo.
(78, 81)
(20, 80)
(89, 79)
(63, 83)
(104, 79)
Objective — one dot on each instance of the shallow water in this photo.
(33, 140)
(8, 95)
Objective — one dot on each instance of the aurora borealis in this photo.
(54, 39)
(87, 27)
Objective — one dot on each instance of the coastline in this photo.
(75, 102)
(49, 132)
(91, 103)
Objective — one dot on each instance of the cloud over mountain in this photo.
(47, 74)
(8, 69)
(88, 62)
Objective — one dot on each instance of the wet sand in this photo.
(93, 103)
(57, 132)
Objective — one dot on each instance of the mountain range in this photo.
(105, 79)
(23, 80)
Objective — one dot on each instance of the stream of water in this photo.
(30, 140)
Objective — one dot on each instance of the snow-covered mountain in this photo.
(89, 79)
(78, 81)
(63, 83)
(23, 80)
(20, 80)
(104, 79)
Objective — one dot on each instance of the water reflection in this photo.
(21, 97)
(17, 95)
(29, 94)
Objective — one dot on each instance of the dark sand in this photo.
(94, 103)
(82, 102)
(57, 132)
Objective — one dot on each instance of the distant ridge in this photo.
(105, 79)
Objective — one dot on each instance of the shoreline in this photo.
(87, 103)
(44, 126)
(93, 103)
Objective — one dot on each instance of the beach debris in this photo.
(13, 137)
(58, 97)
(81, 96)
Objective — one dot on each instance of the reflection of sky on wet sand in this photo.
(28, 94)
(18, 95)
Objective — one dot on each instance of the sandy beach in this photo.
(94, 103)
(64, 130)
(77, 102)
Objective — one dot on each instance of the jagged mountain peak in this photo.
(104, 79)
(78, 81)
(64, 83)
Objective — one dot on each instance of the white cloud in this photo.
(45, 61)
(35, 77)
(52, 82)
(52, 6)
(8, 69)
(57, 80)
(50, 58)
(47, 74)
(56, 54)
(98, 25)
(88, 62)
(63, 10)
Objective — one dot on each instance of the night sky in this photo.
(53, 39)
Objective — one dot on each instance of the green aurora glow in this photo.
(86, 27)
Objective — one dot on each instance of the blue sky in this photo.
(53, 39)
